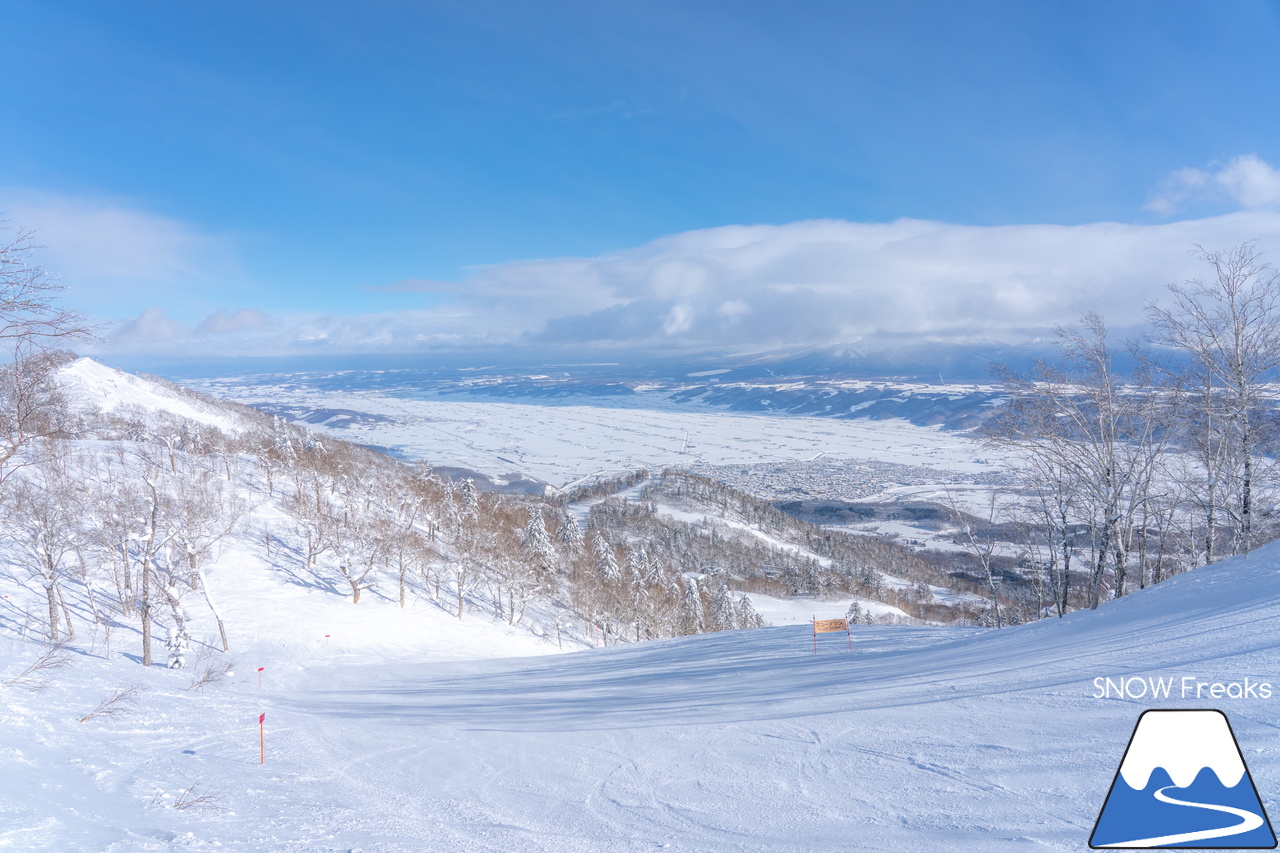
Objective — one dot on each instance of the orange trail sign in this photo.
(828, 626)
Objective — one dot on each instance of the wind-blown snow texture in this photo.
(921, 739)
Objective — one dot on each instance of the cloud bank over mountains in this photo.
(761, 285)
(808, 282)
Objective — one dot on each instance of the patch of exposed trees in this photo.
(794, 557)
(1132, 475)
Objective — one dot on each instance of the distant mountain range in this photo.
(925, 383)
(872, 358)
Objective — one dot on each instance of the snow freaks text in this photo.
(1179, 687)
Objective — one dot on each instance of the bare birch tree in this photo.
(44, 519)
(1228, 327)
(1096, 431)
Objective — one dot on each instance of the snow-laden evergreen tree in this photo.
(642, 613)
(747, 615)
(536, 543)
(470, 499)
(724, 616)
(856, 615)
(653, 574)
(607, 568)
(571, 536)
(692, 611)
(637, 565)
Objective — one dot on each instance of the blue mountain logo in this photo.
(1183, 783)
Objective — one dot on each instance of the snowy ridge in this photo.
(89, 384)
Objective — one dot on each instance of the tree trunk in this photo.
(1099, 566)
(1246, 489)
(217, 617)
(1211, 525)
(1066, 568)
(145, 606)
(66, 613)
(53, 612)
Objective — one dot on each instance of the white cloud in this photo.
(107, 251)
(223, 322)
(832, 280)
(1251, 181)
(803, 282)
(148, 329)
(1248, 181)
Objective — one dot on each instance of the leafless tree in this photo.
(114, 704)
(44, 521)
(115, 503)
(151, 536)
(195, 798)
(981, 546)
(32, 325)
(30, 312)
(31, 407)
(1097, 431)
(362, 549)
(37, 675)
(202, 513)
(208, 670)
(1228, 328)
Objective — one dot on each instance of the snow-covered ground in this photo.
(561, 444)
(412, 730)
(922, 739)
(800, 611)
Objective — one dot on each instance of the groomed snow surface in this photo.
(922, 739)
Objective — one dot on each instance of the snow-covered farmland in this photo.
(564, 443)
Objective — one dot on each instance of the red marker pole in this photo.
(262, 739)
(260, 677)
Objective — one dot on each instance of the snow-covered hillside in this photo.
(90, 385)
(406, 728)
(920, 739)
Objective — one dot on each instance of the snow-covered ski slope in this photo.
(921, 739)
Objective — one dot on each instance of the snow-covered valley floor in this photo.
(562, 443)
(920, 739)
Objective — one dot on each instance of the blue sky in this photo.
(390, 176)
